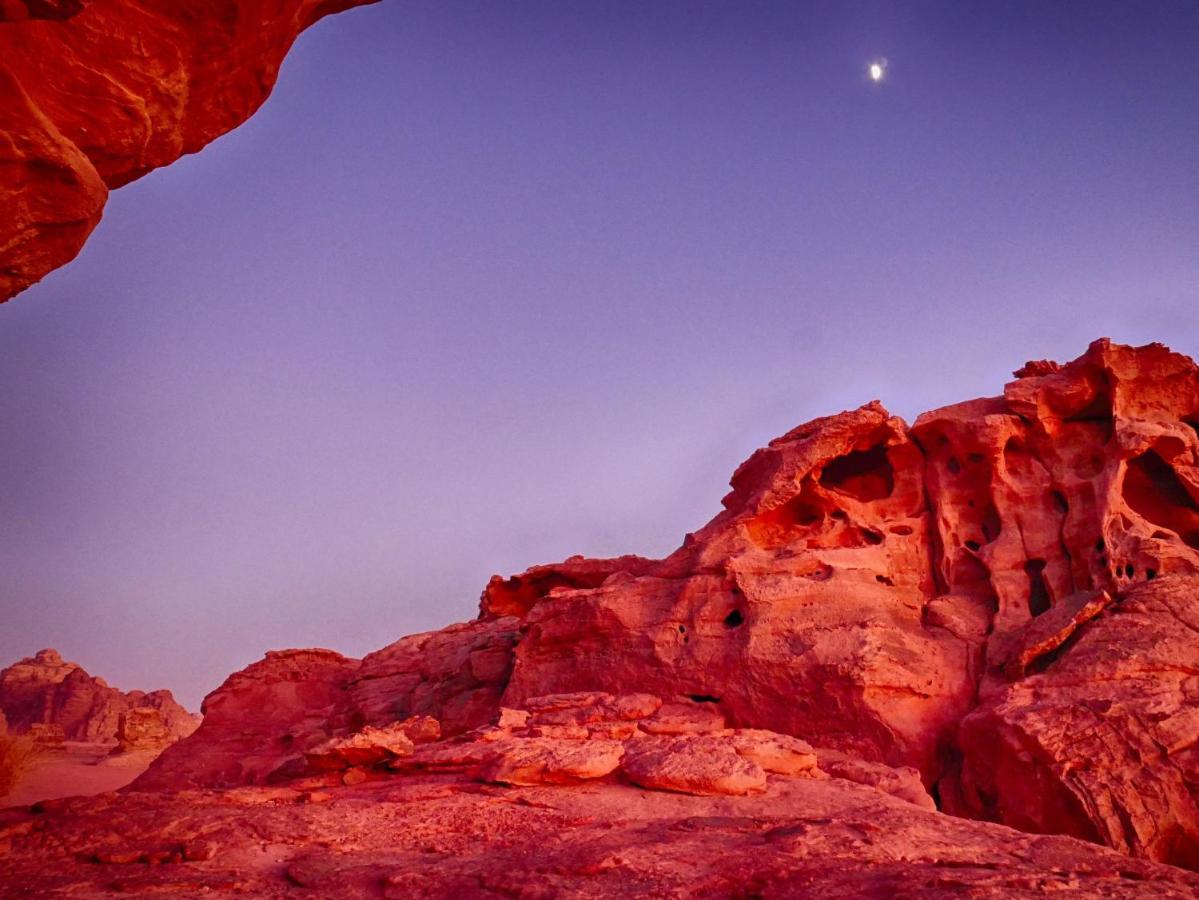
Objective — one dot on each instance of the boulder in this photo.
(368, 747)
(261, 717)
(141, 729)
(692, 764)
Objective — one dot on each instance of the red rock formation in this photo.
(1002, 597)
(96, 94)
(142, 728)
(447, 835)
(25, 10)
(45, 692)
(270, 712)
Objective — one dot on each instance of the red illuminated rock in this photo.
(44, 693)
(798, 609)
(442, 835)
(262, 717)
(996, 607)
(96, 94)
(141, 729)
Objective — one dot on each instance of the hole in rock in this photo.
(682, 629)
(1103, 560)
(975, 459)
(865, 475)
(1100, 545)
(824, 573)
(883, 579)
(703, 698)
(1059, 502)
(1154, 491)
(734, 619)
(777, 527)
(1129, 571)
(1038, 590)
(1098, 411)
(1194, 423)
(991, 524)
(901, 530)
(840, 515)
(1150, 574)
(974, 545)
(871, 536)
(953, 465)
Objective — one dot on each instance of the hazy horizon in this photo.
(483, 286)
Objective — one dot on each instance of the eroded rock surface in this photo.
(96, 94)
(56, 700)
(439, 835)
(994, 611)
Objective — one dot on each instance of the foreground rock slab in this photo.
(439, 835)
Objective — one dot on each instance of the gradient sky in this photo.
(487, 284)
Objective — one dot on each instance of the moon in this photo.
(877, 70)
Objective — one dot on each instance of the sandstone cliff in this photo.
(96, 93)
(45, 690)
(1002, 597)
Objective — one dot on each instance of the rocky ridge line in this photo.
(1001, 597)
(56, 700)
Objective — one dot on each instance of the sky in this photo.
(484, 285)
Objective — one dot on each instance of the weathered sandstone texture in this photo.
(425, 834)
(1001, 599)
(96, 93)
(584, 794)
(54, 700)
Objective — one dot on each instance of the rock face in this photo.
(448, 835)
(1003, 597)
(96, 93)
(45, 695)
(142, 728)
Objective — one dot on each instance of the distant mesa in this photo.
(97, 93)
(53, 701)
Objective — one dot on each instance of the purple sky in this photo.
(487, 284)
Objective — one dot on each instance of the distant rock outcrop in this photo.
(96, 93)
(1003, 597)
(44, 695)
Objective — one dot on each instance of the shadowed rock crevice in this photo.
(1153, 490)
(865, 475)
